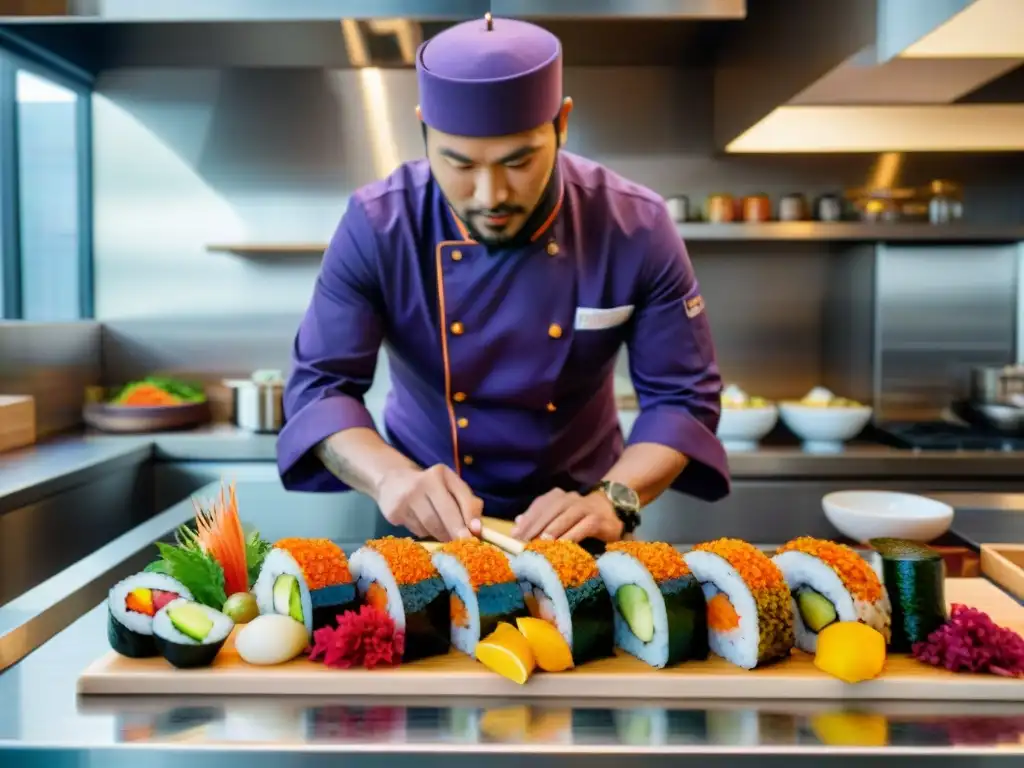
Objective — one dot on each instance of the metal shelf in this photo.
(780, 231)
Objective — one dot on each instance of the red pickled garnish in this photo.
(970, 641)
(363, 638)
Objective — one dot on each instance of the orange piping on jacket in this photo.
(443, 321)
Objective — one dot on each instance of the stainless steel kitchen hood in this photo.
(885, 75)
(113, 11)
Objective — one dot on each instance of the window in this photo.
(45, 201)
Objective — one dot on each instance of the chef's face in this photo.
(494, 184)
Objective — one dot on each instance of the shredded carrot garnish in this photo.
(663, 561)
(755, 567)
(573, 564)
(484, 563)
(219, 532)
(323, 562)
(409, 562)
(856, 574)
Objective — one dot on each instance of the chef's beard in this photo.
(533, 221)
(541, 211)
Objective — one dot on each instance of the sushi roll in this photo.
(561, 584)
(482, 590)
(190, 634)
(660, 610)
(131, 605)
(397, 576)
(914, 578)
(830, 582)
(750, 612)
(306, 579)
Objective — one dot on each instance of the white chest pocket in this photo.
(597, 319)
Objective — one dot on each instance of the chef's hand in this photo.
(561, 515)
(430, 502)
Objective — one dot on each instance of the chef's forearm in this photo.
(647, 468)
(361, 459)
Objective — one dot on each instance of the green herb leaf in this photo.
(158, 566)
(256, 549)
(199, 572)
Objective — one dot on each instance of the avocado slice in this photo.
(816, 610)
(288, 597)
(191, 620)
(636, 610)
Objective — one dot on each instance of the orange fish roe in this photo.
(409, 562)
(484, 563)
(663, 561)
(323, 562)
(755, 567)
(573, 564)
(857, 575)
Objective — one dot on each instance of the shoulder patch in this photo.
(694, 306)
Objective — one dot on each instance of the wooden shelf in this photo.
(777, 231)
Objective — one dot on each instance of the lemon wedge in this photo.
(549, 647)
(508, 653)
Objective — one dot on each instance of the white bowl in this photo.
(740, 429)
(863, 515)
(824, 430)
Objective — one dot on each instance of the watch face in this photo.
(623, 496)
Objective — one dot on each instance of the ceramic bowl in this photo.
(741, 429)
(824, 430)
(864, 515)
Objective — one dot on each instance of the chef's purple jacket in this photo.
(502, 364)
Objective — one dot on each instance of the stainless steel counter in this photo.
(63, 620)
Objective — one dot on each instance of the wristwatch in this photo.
(625, 501)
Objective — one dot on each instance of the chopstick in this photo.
(500, 540)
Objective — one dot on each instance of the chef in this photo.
(503, 274)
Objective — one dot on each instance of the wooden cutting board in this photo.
(456, 675)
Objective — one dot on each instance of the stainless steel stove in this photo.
(944, 436)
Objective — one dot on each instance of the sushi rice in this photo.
(131, 633)
(321, 569)
(277, 563)
(750, 612)
(675, 600)
(397, 576)
(483, 590)
(165, 629)
(561, 584)
(841, 576)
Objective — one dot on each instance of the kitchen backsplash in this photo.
(185, 158)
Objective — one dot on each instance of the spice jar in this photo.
(793, 207)
(757, 208)
(720, 208)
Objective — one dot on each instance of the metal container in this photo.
(258, 403)
(1002, 385)
(793, 207)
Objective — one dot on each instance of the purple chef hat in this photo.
(490, 78)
